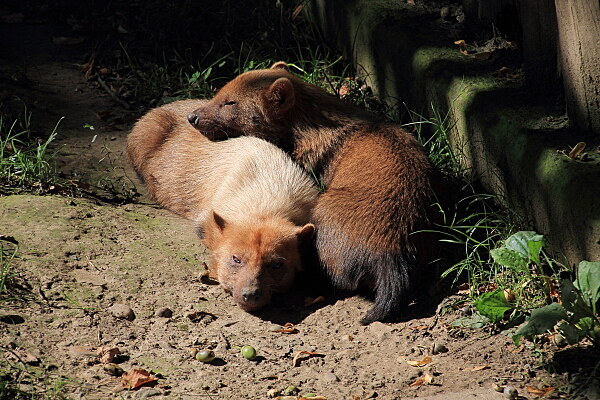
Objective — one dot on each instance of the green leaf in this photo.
(573, 302)
(588, 282)
(516, 339)
(493, 305)
(543, 319)
(572, 334)
(527, 243)
(475, 321)
(586, 324)
(509, 258)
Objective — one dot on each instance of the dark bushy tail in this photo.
(392, 287)
(352, 266)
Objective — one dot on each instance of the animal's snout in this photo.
(251, 294)
(193, 119)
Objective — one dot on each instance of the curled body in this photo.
(376, 176)
(250, 203)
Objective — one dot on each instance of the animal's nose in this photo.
(251, 294)
(192, 119)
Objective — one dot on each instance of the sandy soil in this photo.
(79, 258)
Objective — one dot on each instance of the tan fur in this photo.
(377, 176)
(247, 198)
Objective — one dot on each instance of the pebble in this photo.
(122, 311)
(272, 393)
(510, 392)
(438, 348)
(163, 312)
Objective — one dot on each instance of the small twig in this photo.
(91, 264)
(112, 94)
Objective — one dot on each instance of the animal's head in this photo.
(253, 260)
(256, 103)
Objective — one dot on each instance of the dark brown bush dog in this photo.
(376, 174)
(250, 202)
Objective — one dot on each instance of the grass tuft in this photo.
(25, 161)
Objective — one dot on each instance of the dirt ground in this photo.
(79, 257)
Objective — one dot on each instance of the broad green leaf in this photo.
(535, 247)
(568, 295)
(526, 243)
(573, 302)
(588, 282)
(475, 321)
(586, 324)
(493, 305)
(509, 258)
(543, 319)
(571, 333)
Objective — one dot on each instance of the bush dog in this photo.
(376, 176)
(249, 201)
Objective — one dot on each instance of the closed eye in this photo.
(231, 103)
(277, 265)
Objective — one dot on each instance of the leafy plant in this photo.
(576, 317)
(520, 282)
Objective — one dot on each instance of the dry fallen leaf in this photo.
(477, 368)
(309, 354)
(509, 295)
(426, 360)
(423, 380)
(198, 316)
(540, 392)
(287, 328)
(137, 377)
(343, 91)
(88, 67)
(579, 147)
(461, 43)
(24, 357)
(518, 349)
(107, 354)
(463, 289)
(419, 327)
(503, 72)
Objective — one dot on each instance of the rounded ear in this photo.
(221, 223)
(281, 94)
(280, 65)
(306, 232)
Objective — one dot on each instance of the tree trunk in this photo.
(579, 53)
(538, 19)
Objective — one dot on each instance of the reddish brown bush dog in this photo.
(376, 174)
(250, 202)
